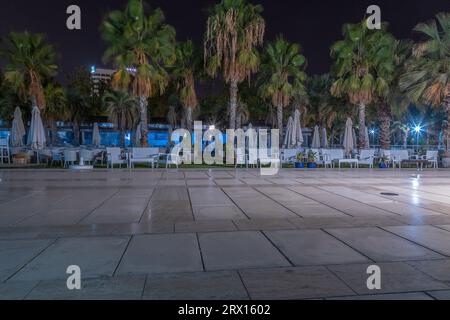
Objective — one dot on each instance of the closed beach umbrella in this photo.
(288, 142)
(138, 135)
(18, 129)
(36, 137)
(316, 138)
(297, 135)
(355, 142)
(349, 143)
(96, 140)
(324, 143)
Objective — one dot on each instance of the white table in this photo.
(349, 161)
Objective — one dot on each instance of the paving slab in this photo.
(382, 246)
(235, 250)
(117, 288)
(313, 247)
(396, 277)
(428, 236)
(95, 256)
(221, 285)
(14, 254)
(160, 254)
(438, 269)
(389, 296)
(440, 295)
(293, 283)
(16, 290)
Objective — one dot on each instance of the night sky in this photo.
(315, 24)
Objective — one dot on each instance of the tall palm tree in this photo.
(141, 45)
(235, 29)
(427, 76)
(393, 102)
(362, 63)
(122, 110)
(30, 61)
(186, 65)
(282, 75)
(56, 108)
(79, 101)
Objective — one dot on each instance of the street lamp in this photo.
(372, 132)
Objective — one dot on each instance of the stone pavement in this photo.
(225, 234)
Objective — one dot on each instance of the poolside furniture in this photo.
(330, 156)
(57, 156)
(366, 157)
(432, 158)
(144, 155)
(70, 157)
(398, 156)
(288, 156)
(5, 151)
(351, 162)
(88, 156)
(241, 158)
(171, 159)
(115, 156)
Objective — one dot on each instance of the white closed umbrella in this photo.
(316, 138)
(324, 143)
(297, 135)
(37, 136)
(96, 140)
(138, 136)
(289, 130)
(18, 129)
(349, 143)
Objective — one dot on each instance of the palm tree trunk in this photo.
(76, 133)
(405, 138)
(363, 144)
(385, 126)
(280, 122)
(143, 105)
(233, 103)
(189, 119)
(447, 130)
(54, 132)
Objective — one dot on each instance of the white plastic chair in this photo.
(366, 157)
(87, 155)
(432, 158)
(114, 156)
(70, 157)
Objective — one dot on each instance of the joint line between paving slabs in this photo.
(276, 201)
(31, 260)
(237, 206)
(347, 214)
(200, 251)
(416, 243)
(278, 249)
(149, 200)
(121, 257)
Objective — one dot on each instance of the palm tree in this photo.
(141, 46)
(235, 29)
(123, 111)
(362, 64)
(56, 108)
(427, 79)
(186, 65)
(282, 75)
(80, 100)
(30, 61)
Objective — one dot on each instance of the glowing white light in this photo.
(417, 129)
(213, 127)
(372, 131)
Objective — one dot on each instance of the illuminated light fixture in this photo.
(213, 127)
(417, 129)
(372, 131)
(93, 69)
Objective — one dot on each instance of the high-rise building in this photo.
(99, 75)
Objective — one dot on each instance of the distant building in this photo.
(99, 75)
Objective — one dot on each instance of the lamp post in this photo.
(372, 132)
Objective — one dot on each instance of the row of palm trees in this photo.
(373, 72)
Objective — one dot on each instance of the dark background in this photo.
(315, 24)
